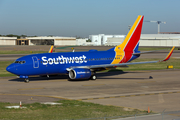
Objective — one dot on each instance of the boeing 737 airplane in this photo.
(83, 65)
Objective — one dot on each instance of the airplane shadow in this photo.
(116, 72)
(39, 78)
(100, 75)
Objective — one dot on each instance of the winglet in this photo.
(51, 49)
(169, 55)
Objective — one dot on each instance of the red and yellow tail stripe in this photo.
(124, 51)
(169, 55)
(51, 49)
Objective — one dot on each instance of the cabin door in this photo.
(35, 62)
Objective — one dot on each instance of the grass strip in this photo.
(20, 52)
(68, 49)
(69, 109)
(152, 66)
(3, 65)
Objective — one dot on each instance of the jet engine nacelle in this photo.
(80, 73)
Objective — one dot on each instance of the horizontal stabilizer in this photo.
(146, 52)
(133, 63)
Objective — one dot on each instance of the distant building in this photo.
(52, 40)
(83, 42)
(8, 40)
(165, 40)
(169, 32)
(102, 39)
(22, 41)
(114, 41)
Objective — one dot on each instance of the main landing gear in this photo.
(26, 80)
(93, 77)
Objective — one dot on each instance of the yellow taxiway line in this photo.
(129, 95)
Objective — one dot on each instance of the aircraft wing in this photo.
(124, 64)
(118, 65)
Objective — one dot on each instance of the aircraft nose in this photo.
(11, 68)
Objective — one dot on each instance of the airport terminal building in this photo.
(52, 40)
(8, 40)
(42, 40)
(164, 40)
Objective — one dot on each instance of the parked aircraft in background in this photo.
(83, 65)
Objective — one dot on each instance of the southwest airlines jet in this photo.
(83, 65)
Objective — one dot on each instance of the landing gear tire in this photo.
(93, 77)
(26, 80)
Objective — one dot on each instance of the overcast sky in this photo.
(85, 17)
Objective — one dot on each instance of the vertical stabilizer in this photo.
(130, 44)
(132, 38)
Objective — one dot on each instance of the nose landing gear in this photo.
(26, 80)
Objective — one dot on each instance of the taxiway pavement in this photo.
(128, 89)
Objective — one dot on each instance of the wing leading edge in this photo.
(124, 64)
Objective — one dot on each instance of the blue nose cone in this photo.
(11, 68)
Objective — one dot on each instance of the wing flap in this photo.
(123, 64)
(120, 65)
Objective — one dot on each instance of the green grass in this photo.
(3, 65)
(155, 48)
(152, 66)
(65, 47)
(20, 52)
(68, 49)
(70, 109)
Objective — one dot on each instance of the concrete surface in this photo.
(135, 89)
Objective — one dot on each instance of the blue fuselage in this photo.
(55, 63)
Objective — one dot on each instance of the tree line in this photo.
(18, 36)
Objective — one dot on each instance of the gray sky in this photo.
(85, 17)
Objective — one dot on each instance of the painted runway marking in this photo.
(94, 85)
(30, 88)
(38, 96)
(146, 82)
(39, 81)
(129, 95)
(46, 81)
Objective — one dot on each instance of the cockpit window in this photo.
(20, 62)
